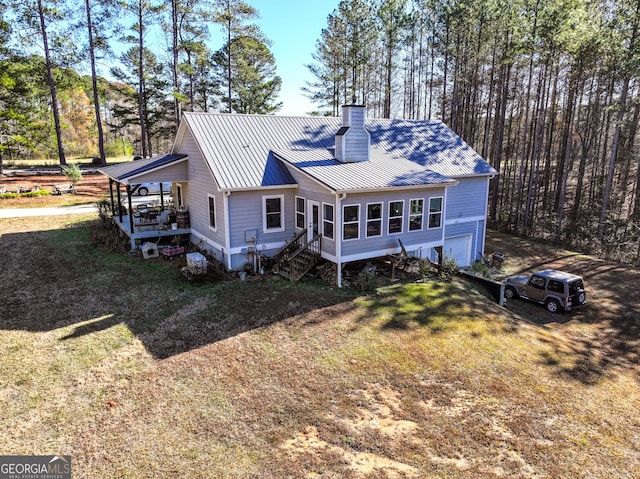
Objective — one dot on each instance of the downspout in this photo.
(339, 198)
(227, 231)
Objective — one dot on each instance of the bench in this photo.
(62, 189)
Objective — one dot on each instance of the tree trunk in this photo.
(52, 84)
(141, 85)
(94, 85)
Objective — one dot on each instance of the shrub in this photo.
(72, 172)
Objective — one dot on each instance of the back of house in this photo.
(357, 185)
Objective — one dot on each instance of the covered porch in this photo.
(145, 219)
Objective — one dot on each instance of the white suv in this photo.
(555, 289)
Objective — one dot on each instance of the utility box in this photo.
(250, 235)
(149, 250)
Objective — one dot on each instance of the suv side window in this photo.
(537, 282)
(555, 286)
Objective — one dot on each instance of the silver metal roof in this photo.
(237, 147)
(383, 170)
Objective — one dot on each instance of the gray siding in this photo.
(467, 199)
(195, 192)
(389, 242)
(311, 190)
(173, 173)
(246, 214)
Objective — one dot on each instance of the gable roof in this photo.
(382, 171)
(236, 147)
(124, 172)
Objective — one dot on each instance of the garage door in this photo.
(459, 248)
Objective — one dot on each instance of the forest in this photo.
(546, 90)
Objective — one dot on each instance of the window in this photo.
(300, 222)
(435, 212)
(351, 222)
(415, 214)
(327, 220)
(212, 212)
(537, 282)
(273, 213)
(395, 216)
(374, 219)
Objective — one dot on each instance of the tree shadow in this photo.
(55, 280)
(612, 310)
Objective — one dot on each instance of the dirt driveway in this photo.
(607, 329)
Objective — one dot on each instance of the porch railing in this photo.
(298, 257)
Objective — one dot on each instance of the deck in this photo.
(145, 231)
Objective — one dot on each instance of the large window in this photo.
(396, 212)
(351, 222)
(374, 219)
(212, 212)
(273, 213)
(416, 210)
(435, 212)
(327, 220)
(300, 222)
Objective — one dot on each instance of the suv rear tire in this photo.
(552, 306)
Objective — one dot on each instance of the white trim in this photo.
(388, 251)
(351, 222)
(468, 219)
(208, 240)
(441, 213)
(389, 218)
(215, 213)
(409, 230)
(309, 218)
(332, 221)
(296, 211)
(264, 214)
(227, 229)
(366, 219)
(259, 247)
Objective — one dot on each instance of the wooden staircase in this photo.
(298, 256)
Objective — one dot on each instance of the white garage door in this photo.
(459, 248)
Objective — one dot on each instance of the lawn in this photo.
(135, 373)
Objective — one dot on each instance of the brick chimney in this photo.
(353, 140)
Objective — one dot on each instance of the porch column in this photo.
(130, 208)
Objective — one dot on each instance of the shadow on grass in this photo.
(55, 279)
(437, 306)
(611, 313)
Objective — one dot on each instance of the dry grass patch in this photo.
(137, 374)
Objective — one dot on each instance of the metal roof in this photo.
(237, 147)
(123, 171)
(383, 170)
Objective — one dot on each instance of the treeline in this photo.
(546, 90)
(160, 62)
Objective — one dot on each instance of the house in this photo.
(347, 188)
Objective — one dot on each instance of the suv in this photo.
(555, 289)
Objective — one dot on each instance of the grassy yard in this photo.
(137, 374)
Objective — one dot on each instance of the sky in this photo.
(293, 26)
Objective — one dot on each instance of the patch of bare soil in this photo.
(92, 187)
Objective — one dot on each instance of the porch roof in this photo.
(126, 172)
